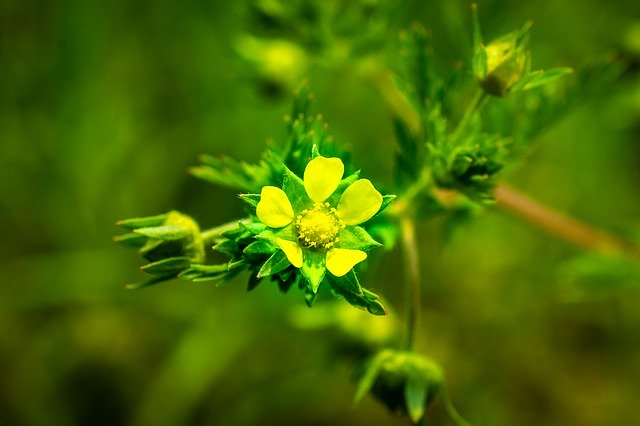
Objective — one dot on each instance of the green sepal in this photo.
(149, 282)
(253, 281)
(269, 237)
(310, 296)
(349, 288)
(228, 247)
(221, 273)
(386, 200)
(258, 250)
(314, 151)
(293, 186)
(540, 78)
(313, 268)
(356, 238)
(286, 233)
(276, 263)
(170, 266)
(143, 222)
(372, 369)
(342, 186)
(251, 199)
(169, 232)
(415, 397)
(131, 240)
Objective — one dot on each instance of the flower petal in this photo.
(340, 261)
(359, 203)
(292, 250)
(322, 176)
(274, 208)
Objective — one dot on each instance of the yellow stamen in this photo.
(318, 226)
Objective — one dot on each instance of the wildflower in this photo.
(315, 220)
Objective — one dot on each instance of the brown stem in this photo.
(557, 223)
(412, 277)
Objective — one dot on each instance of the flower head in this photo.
(315, 219)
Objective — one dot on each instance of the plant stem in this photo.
(412, 277)
(557, 223)
(209, 235)
(475, 105)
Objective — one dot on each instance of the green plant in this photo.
(311, 221)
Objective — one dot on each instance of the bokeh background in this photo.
(104, 105)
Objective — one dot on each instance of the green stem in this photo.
(412, 277)
(450, 409)
(209, 235)
(476, 104)
(401, 206)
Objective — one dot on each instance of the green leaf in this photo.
(276, 263)
(258, 250)
(228, 172)
(164, 232)
(293, 186)
(313, 268)
(540, 78)
(169, 266)
(415, 397)
(143, 222)
(355, 237)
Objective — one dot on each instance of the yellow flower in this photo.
(317, 226)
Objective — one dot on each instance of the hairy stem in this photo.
(209, 235)
(563, 226)
(412, 277)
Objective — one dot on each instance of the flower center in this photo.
(318, 226)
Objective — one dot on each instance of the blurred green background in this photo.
(103, 106)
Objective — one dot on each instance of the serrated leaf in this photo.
(142, 222)
(166, 233)
(415, 397)
(276, 263)
(228, 172)
(171, 265)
